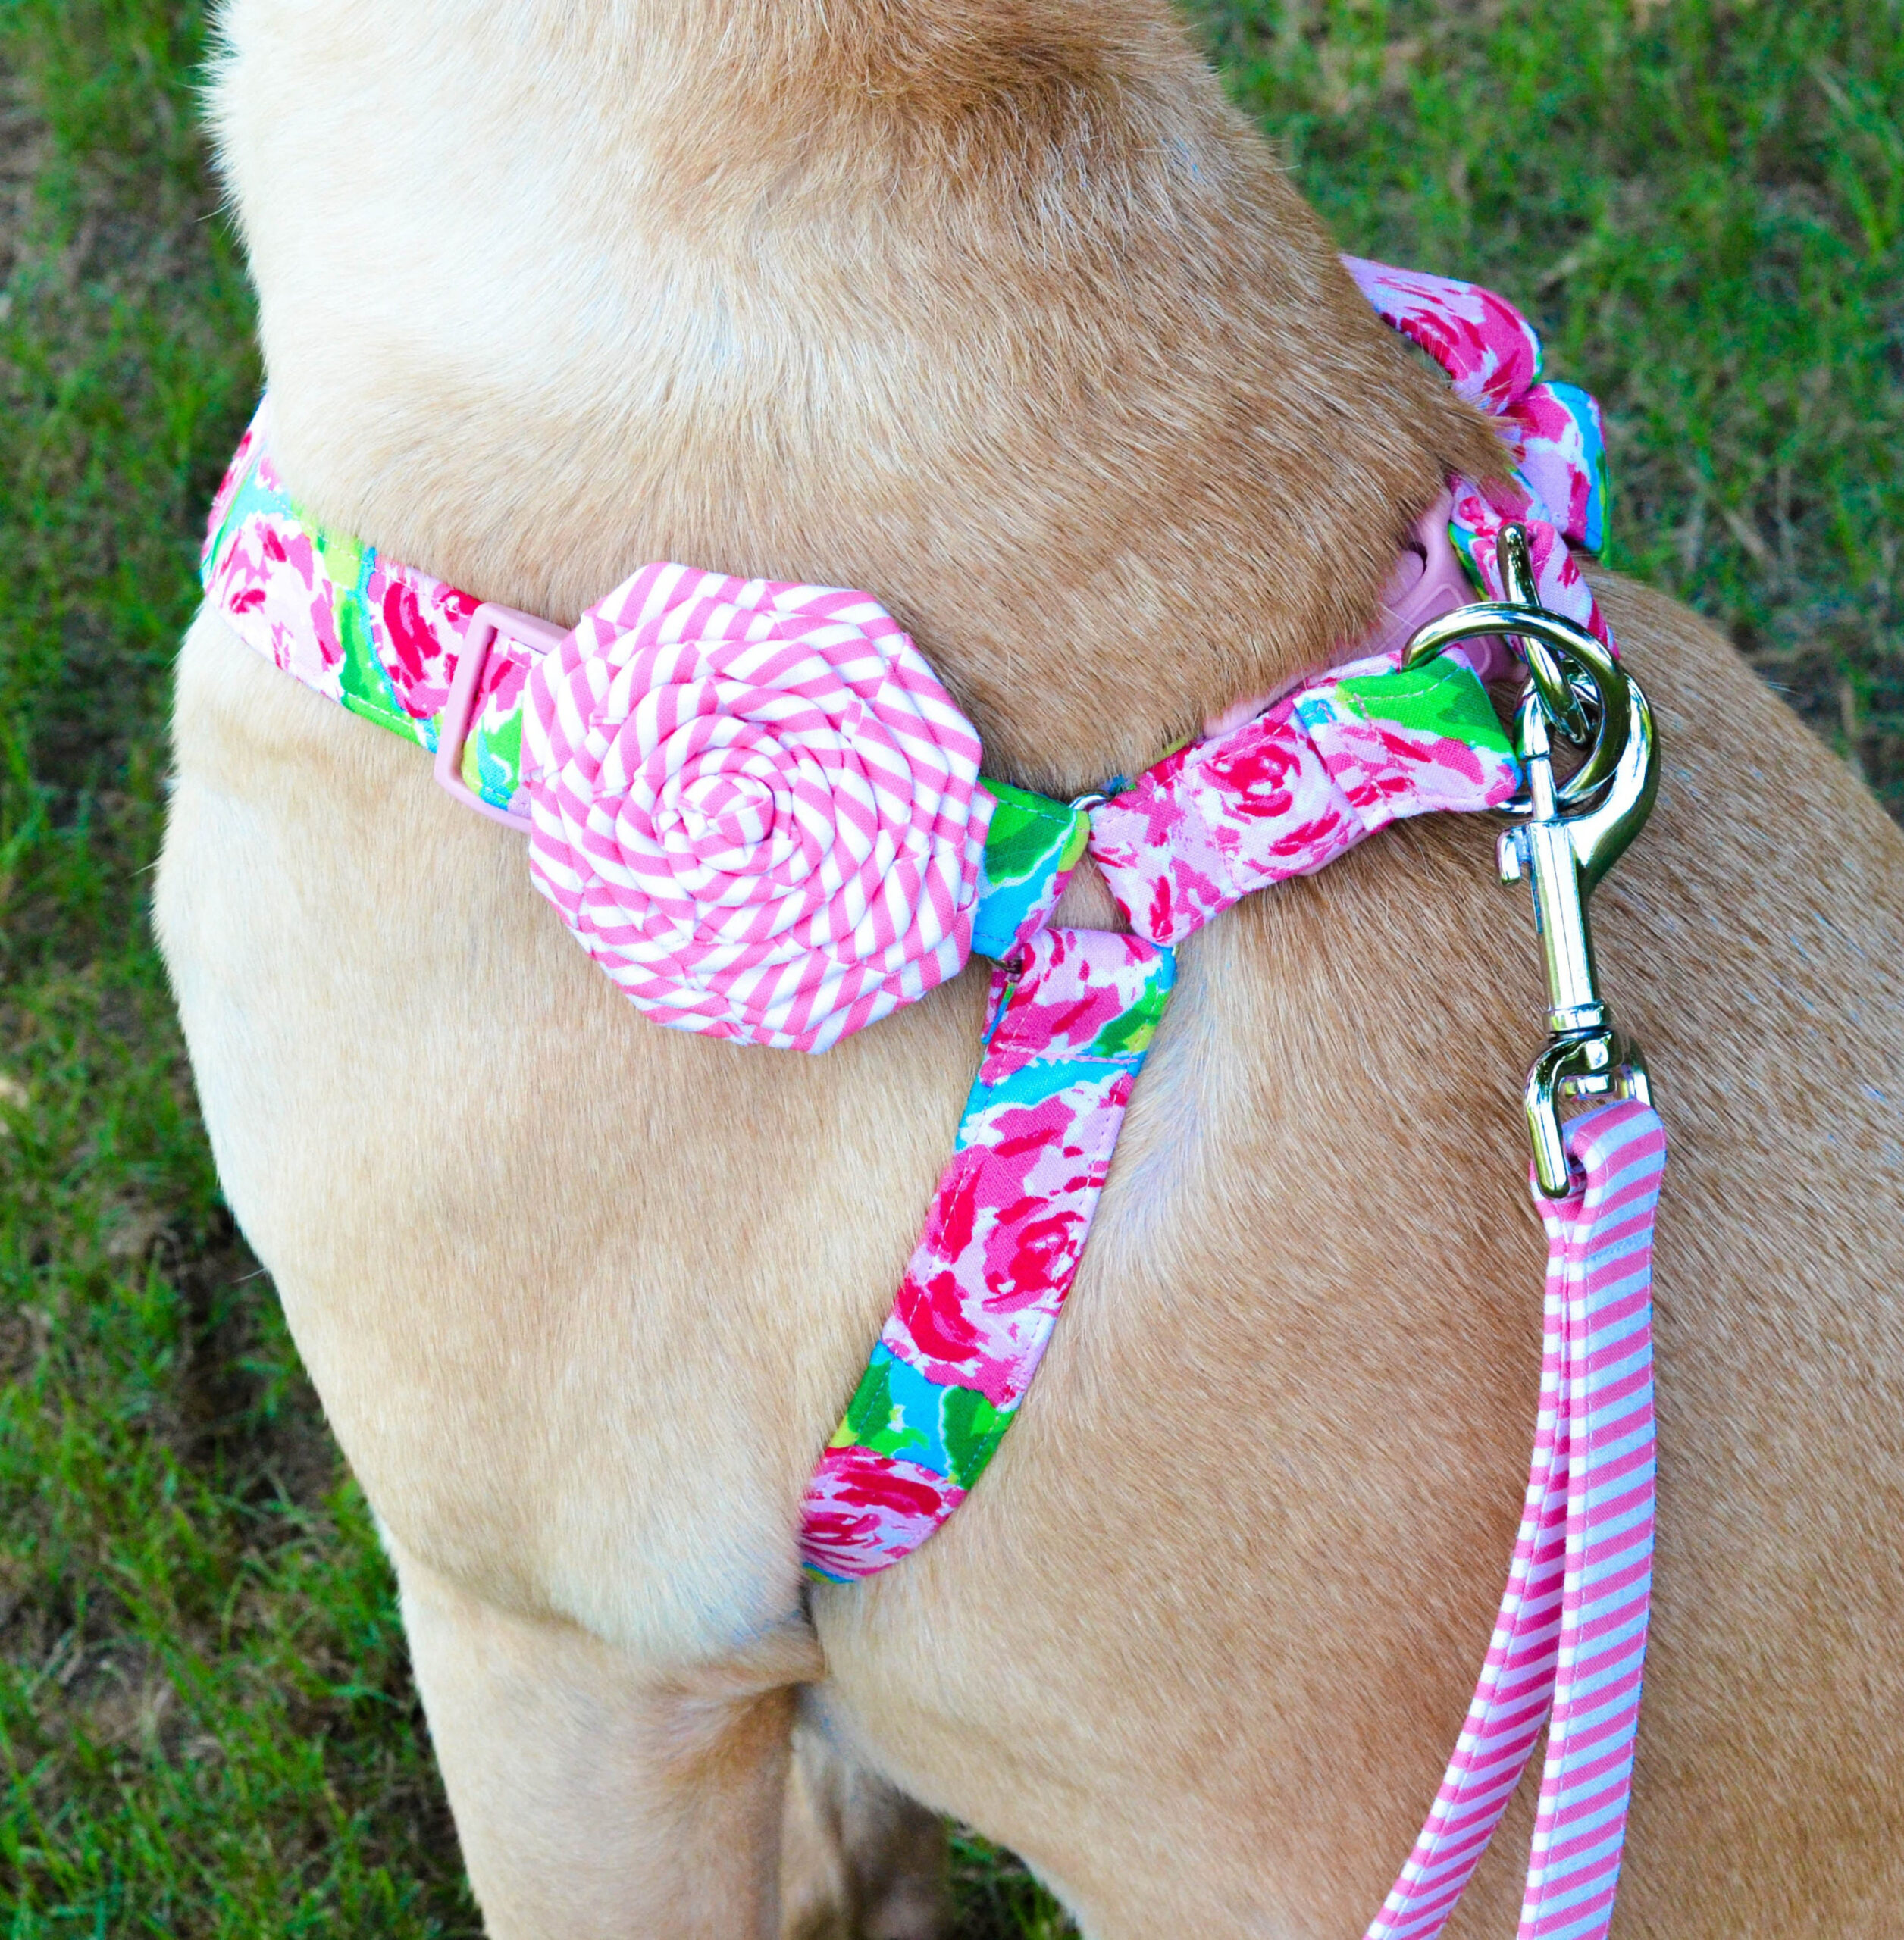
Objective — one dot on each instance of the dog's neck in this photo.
(999, 314)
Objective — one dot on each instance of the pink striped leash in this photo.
(1571, 1641)
(1570, 1644)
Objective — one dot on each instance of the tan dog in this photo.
(995, 309)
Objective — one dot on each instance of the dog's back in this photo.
(1004, 317)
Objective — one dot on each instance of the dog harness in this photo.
(762, 815)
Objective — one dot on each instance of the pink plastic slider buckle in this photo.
(485, 625)
(1430, 580)
(1427, 582)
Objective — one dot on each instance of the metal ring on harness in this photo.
(1567, 835)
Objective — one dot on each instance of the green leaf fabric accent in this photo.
(871, 1408)
(1025, 830)
(872, 1421)
(972, 1429)
(1441, 697)
(493, 755)
(365, 687)
(1129, 1035)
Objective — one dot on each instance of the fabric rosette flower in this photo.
(755, 804)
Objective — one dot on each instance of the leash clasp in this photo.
(1567, 834)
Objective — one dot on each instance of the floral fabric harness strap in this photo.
(762, 816)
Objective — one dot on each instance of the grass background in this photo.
(206, 1726)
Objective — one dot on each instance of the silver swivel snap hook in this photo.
(1567, 834)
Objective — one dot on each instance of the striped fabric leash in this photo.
(1571, 1637)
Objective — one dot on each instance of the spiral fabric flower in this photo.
(755, 804)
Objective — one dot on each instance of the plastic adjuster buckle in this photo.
(485, 623)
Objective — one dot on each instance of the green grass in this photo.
(1702, 206)
(206, 1727)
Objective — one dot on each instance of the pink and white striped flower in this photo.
(756, 805)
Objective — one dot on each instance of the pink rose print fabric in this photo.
(1475, 526)
(1556, 452)
(1285, 794)
(755, 804)
(761, 813)
(864, 1511)
(380, 638)
(1006, 1231)
(1002, 1244)
(1486, 346)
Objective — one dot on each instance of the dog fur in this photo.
(997, 310)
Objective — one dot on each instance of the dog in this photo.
(997, 309)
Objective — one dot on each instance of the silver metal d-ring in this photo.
(1564, 837)
(1575, 645)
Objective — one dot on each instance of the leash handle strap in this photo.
(1571, 1635)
